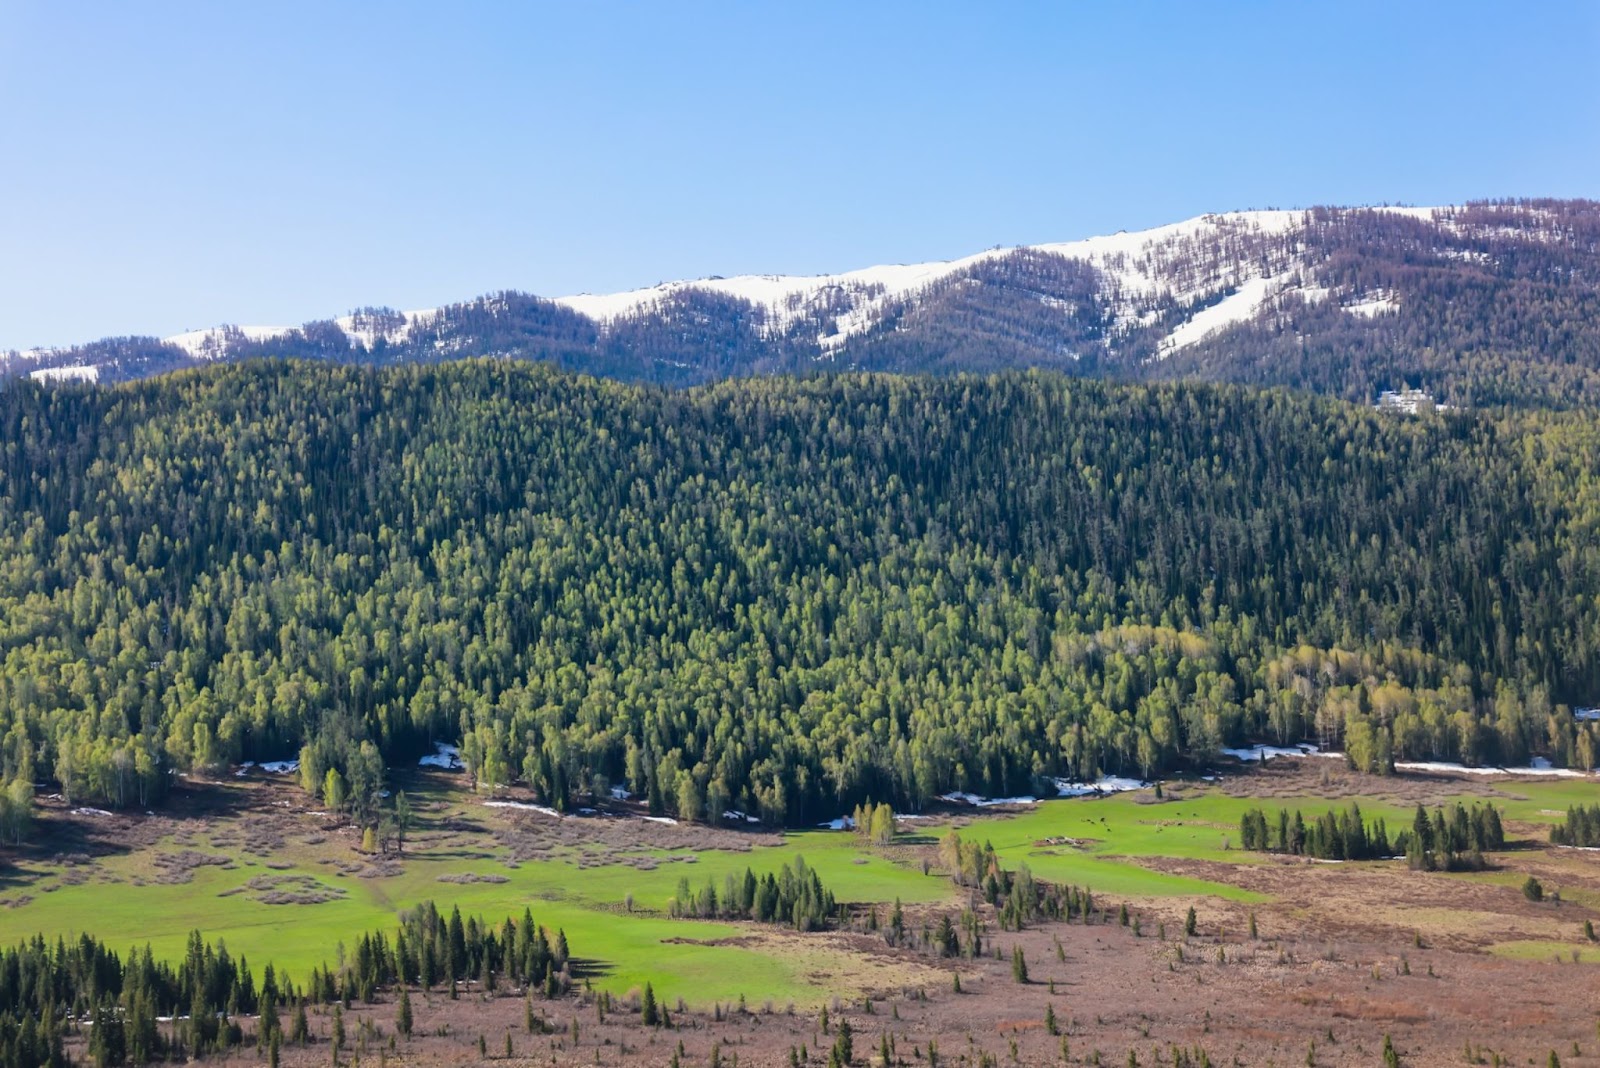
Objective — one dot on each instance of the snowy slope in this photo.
(212, 344)
(76, 373)
(1168, 288)
(1132, 264)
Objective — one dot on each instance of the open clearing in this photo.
(1346, 948)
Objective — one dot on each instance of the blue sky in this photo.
(166, 166)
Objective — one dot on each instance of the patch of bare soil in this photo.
(287, 890)
(179, 867)
(603, 840)
(1294, 777)
(473, 877)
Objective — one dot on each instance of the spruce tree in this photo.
(402, 1020)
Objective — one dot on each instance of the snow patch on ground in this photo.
(271, 767)
(443, 756)
(1106, 784)
(957, 797)
(737, 816)
(668, 820)
(90, 812)
(523, 806)
(1537, 766)
(1253, 754)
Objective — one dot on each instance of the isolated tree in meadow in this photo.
(402, 1021)
(333, 790)
(403, 818)
(843, 1052)
(1019, 965)
(881, 830)
(649, 1014)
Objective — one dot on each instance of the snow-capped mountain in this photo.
(1345, 300)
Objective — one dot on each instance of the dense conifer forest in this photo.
(782, 596)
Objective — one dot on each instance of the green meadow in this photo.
(1097, 843)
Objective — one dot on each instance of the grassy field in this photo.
(1099, 843)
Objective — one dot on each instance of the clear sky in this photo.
(168, 166)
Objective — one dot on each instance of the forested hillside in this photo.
(784, 596)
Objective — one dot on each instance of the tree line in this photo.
(1444, 841)
(1581, 827)
(45, 986)
(794, 896)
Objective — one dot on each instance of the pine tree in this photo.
(402, 1021)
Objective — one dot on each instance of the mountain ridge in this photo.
(1368, 291)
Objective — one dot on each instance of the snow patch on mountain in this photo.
(79, 373)
(1218, 265)
(1237, 307)
(1372, 305)
(213, 343)
(365, 329)
(1136, 268)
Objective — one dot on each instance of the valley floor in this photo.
(1345, 953)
